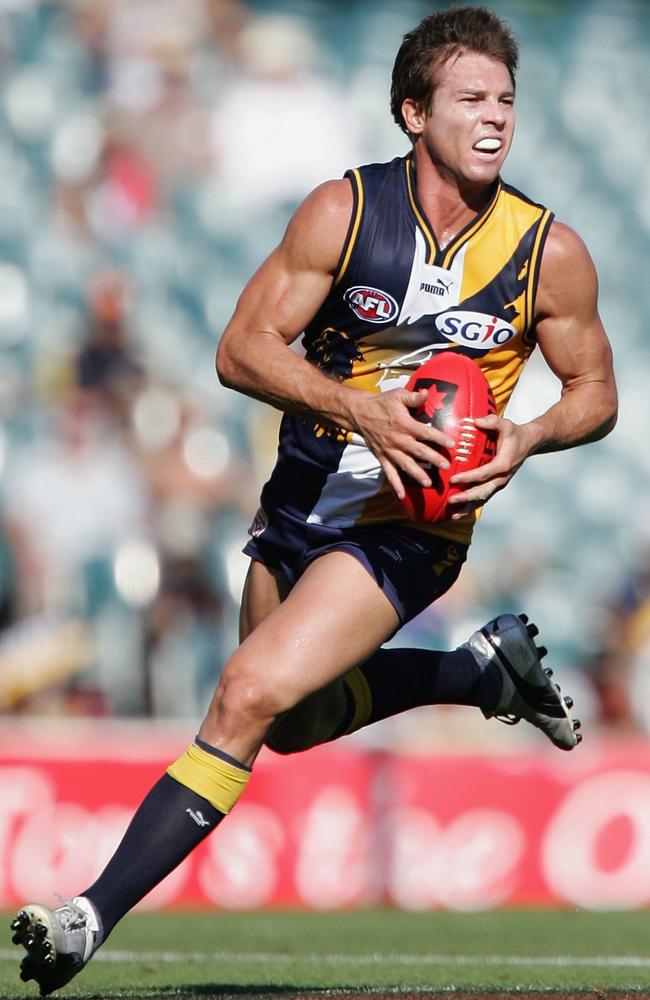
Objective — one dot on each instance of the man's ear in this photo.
(414, 116)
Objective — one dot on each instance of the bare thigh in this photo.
(334, 618)
(316, 717)
(264, 590)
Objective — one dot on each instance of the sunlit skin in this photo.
(473, 102)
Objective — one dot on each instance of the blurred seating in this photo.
(136, 147)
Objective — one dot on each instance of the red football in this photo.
(458, 392)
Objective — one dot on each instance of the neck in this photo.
(448, 202)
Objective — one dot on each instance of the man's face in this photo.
(471, 124)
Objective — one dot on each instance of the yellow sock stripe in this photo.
(360, 691)
(216, 780)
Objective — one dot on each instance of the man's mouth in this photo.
(488, 145)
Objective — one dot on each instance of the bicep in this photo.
(281, 298)
(569, 329)
(286, 292)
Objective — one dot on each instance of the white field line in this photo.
(379, 959)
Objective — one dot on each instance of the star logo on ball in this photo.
(441, 396)
(438, 397)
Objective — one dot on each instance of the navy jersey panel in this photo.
(306, 456)
(385, 243)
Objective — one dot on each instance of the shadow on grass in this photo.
(214, 991)
(221, 991)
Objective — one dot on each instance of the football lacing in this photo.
(466, 440)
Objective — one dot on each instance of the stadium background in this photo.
(150, 155)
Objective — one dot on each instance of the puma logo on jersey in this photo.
(440, 288)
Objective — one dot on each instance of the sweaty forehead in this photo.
(467, 70)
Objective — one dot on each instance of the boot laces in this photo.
(70, 916)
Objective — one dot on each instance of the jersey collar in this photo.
(436, 255)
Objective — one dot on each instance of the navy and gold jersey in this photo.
(398, 298)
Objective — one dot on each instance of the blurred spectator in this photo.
(620, 668)
(71, 495)
(277, 111)
(184, 650)
(123, 192)
(104, 365)
(183, 457)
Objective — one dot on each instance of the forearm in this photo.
(585, 412)
(275, 374)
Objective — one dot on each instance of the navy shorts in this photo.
(412, 567)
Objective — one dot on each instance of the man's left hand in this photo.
(514, 444)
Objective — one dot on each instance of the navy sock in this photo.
(168, 824)
(400, 679)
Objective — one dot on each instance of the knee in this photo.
(241, 700)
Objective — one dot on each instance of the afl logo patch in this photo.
(371, 304)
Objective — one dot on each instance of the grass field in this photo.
(381, 952)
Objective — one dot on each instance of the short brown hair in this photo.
(437, 38)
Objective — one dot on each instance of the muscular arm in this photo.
(574, 344)
(278, 303)
(255, 357)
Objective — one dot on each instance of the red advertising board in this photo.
(344, 827)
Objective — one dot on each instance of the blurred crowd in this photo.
(127, 475)
(151, 153)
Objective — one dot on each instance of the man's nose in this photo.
(494, 113)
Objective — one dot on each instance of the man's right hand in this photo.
(401, 443)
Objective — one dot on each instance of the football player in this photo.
(432, 251)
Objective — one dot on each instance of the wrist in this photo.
(536, 437)
(349, 403)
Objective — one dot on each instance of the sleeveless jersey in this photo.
(398, 298)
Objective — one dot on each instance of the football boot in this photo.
(527, 690)
(58, 942)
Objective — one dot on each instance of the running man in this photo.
(377, 270)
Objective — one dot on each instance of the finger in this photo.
(427, 432)
(479, 475)
(479, 494)
(464, 511)
(490, 422)
(429, 456)
(394, 479)
(415, 471)
(415, 398)
(460, 500)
